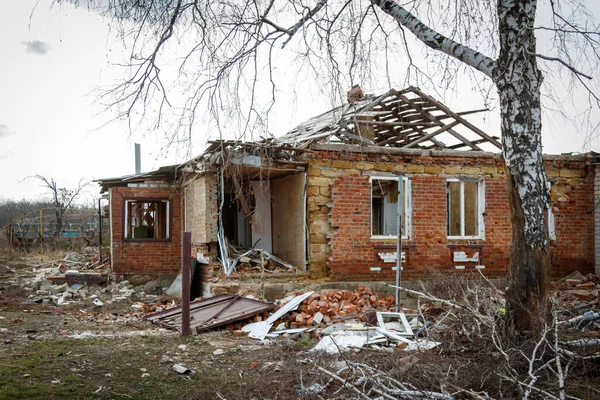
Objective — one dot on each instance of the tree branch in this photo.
(435, 40)
(292, 30)
(571, 68)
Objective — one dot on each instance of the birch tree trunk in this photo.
(518, 80)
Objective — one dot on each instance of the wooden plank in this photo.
(395, 123)
(432, 134)
(459, 118)
(438, 143)
(451, 131)
(478, 141)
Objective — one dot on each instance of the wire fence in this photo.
(41, 229)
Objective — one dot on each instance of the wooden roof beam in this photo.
(457, 135)
(432, 134)
(459, 118)
(416, 128)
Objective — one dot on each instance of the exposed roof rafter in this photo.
(406, 119)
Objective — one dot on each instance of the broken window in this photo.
(465, 200)
(384, 207)
(147, 219)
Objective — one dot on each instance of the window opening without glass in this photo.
(384, 207)
(465, 208)
(146, 219)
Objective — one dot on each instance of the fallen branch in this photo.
(559, 370)
(582, 343)
(431, 298)
(588, 316)
(547, 394)
(344, 383)
(423, 394)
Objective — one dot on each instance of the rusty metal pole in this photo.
(186, 260)
(100, 227)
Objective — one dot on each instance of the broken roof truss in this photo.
(406, 119)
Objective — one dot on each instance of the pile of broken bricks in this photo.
(577, 288)
(326, 307)
(352, 322)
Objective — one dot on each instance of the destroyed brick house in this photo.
(324, 199)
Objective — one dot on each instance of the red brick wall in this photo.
(573, 208)
(145, 257)
(353, 253)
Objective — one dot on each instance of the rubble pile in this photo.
(46, 291)
(88, 259)
(328, 306)
(576, 288)
(136, 313)
(80, 278)
(467, 320)
(245, 261)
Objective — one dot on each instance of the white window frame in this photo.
(407, 211)
(480, 208)
(551, 219)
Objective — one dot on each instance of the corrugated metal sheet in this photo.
(212, 312)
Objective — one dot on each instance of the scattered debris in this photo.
(93, 335)
(243, 261)
(182, 369)
(259, 330)
(576, 289)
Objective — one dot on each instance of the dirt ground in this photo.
(50, 352)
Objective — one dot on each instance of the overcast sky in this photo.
(50, 124)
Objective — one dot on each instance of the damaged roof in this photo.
(166, 174)
(407, 118)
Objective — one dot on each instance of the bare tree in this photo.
(62, 198)
(12, 210)
(229, 47)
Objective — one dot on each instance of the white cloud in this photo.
(36, 47)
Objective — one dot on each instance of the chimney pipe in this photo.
(138, 159)
(366, 131)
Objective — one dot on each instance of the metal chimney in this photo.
(138, 159)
